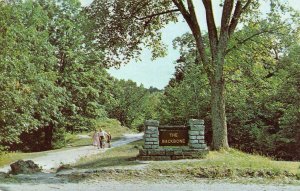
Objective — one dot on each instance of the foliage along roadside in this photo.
(41, 55)
(53, 78)
(249, 59)
(133, 23)
(262, 93)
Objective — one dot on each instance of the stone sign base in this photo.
(153, 148)
(171, 154)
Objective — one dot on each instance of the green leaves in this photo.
(262, 90)
(128, 102)
(24, 73)
(52, 79)
(120, 27)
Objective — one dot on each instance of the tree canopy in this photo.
(139, 22)
(54, 55)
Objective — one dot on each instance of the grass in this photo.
(10, 157)
(234, 165)
(119, 156)
(73, 140)
(231, 163)
(234, 159)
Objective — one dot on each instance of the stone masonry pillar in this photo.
(151, 134)
(196, 134)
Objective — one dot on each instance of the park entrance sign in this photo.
(173, 136)
(173, 142)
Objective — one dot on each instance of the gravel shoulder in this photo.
(148, 186)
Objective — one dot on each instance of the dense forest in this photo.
(54, 79)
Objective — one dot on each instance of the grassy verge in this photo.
(234, 165)
(120, 156)
(227, 164)
(10, 157)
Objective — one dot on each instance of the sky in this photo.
(157, 73)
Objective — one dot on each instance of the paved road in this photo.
(54, 159)
(144, 186)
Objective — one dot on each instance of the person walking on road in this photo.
(96, 139)
(102, 135)
(108, 139)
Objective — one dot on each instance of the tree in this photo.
(286, 104)
(52, 78)
(30, 101)
(262, 91)
(128, 102)
(134, 22)
(187, 93)
(79, 67)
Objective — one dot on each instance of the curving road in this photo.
(54, 159)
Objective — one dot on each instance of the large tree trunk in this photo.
(219, 125)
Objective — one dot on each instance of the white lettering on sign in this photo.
(173, 134)
(173, 141)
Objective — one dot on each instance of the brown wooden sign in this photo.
(173, 136)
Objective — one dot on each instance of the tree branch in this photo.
(239, 9)
(191, 19)
(157, 14)
(240, 42)
(226, 16)
(181, 7)
(211, 26)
